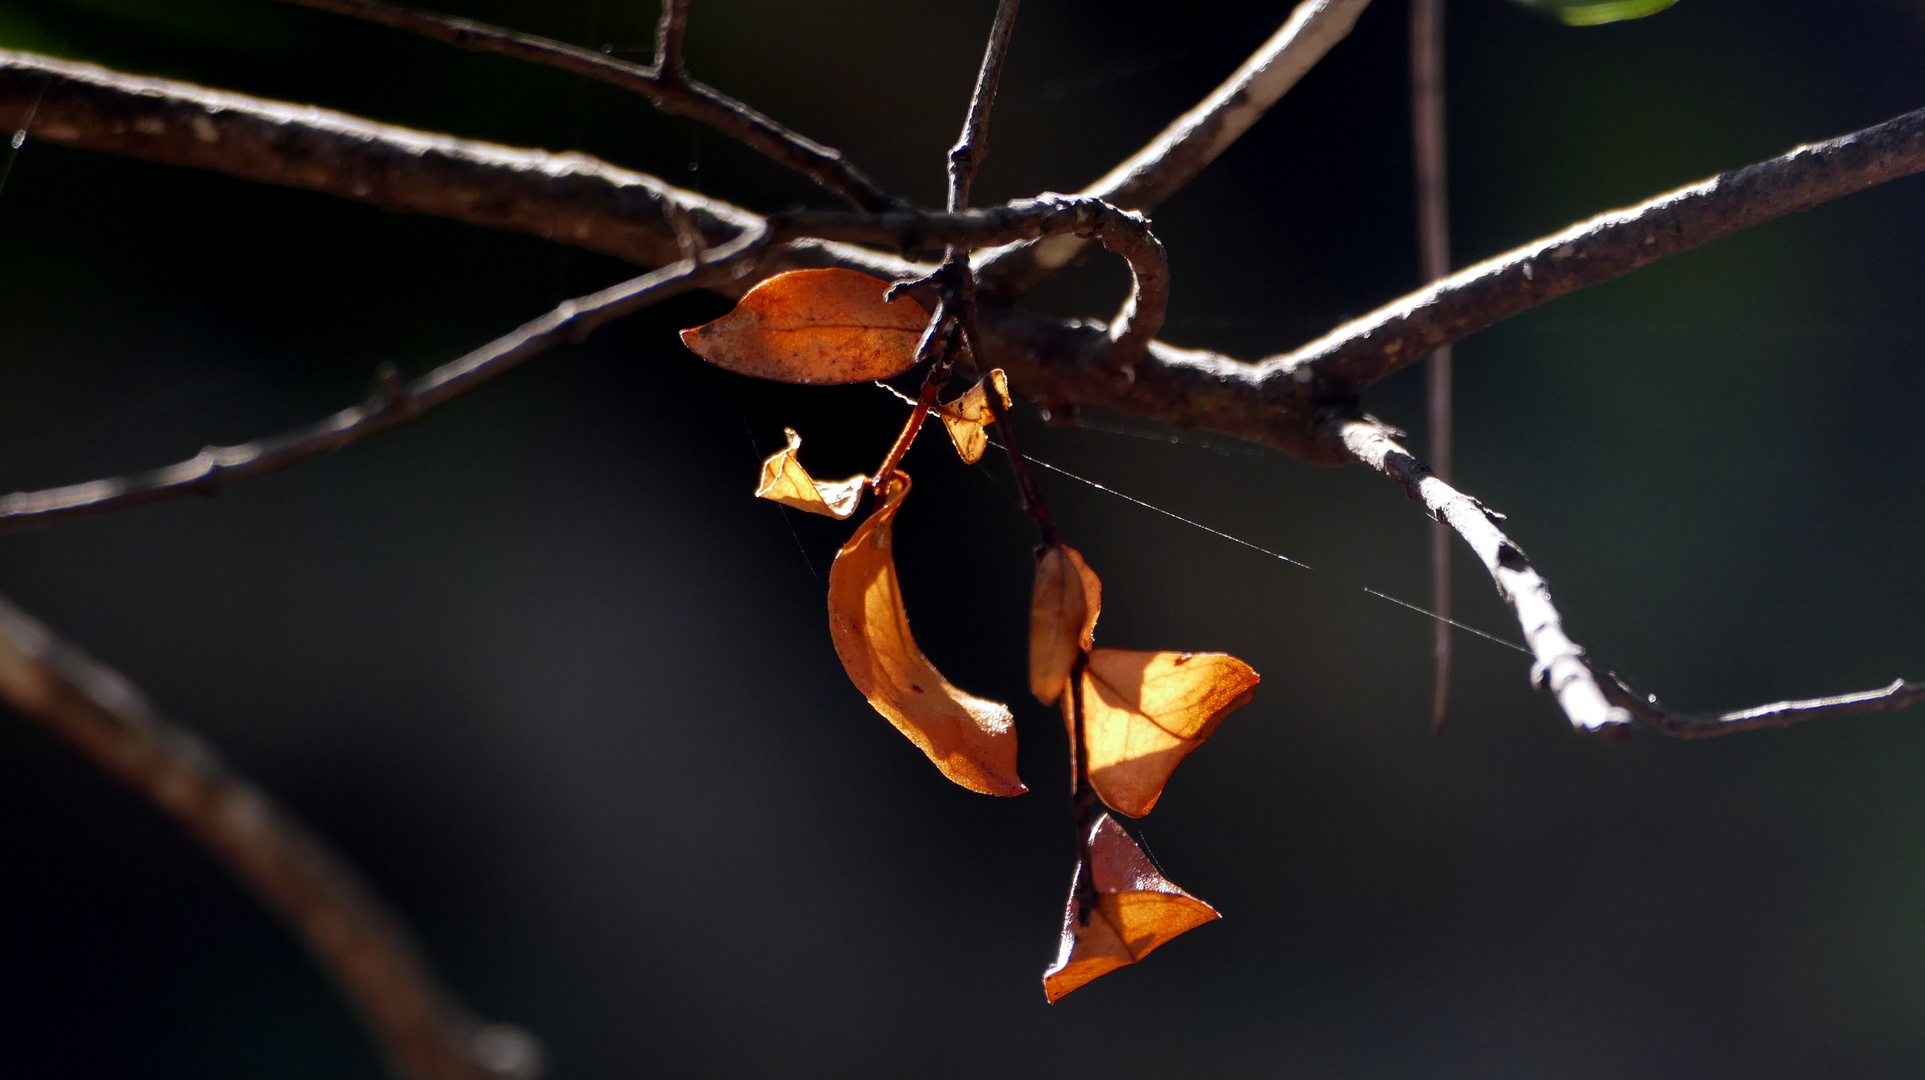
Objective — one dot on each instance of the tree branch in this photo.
(1560, 664)
(1899, 695)
(217, 468)
(667, 86)
(1177, 154)
(1608, 246)
(425, 1032)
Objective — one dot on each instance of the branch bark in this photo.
(1560, 664)
(1899, 695)
(425, 1032)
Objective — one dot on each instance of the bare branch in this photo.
(1174, 158)
(217, 468)
(1433, 252)
(1608, 246)
(1560, 665)
(425, 1032)
(973, 145)
(1899, 695)
(669, 88)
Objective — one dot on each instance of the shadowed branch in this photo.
(666, 83)
(425, 1032)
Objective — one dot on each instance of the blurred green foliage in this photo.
(1596, 12)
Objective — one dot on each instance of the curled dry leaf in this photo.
(784, 480)
(1128, 910)
(1062, 618)
(1143, 712)
(971, 740)
(968, 415)
(814, 326)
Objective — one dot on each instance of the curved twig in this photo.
(217, 468)
(1049, 214)
(1560, 664)
(425, 1032)
(665, 83)
(1180, 151)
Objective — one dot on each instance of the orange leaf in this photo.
(814, 326)
(1143, 712)
(1062, 618)
(784, 480)
(1135, 910)
(971, 740)
(968, 415)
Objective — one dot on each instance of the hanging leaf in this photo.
(1143, 712)
(1126, 912)
(1062, 618)
(784, 480)
(814, 326)
(971, 740)
(1596, 12)
(968, 415)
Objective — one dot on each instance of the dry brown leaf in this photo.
(968, 415)
(1136, 909)
(784, 480)
(1062, 618)
(971, 740)
(814, 326)
(1143, 712)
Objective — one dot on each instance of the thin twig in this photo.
(217, 468)
(1899, 695)
(425, 1033)
(1560, 664)
(1433, 250)
(973, 145)
(669, 88)
(1178, 153)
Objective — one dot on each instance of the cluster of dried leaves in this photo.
(1131, 716)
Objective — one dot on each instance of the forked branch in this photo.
(425, 1032)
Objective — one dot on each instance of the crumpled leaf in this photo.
(784, 480)
(968, 415)
(971, 740)
(1135, 910)
(1143, 712)
(1062, 618)
(814, 326)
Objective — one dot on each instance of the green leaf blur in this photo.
(1596, 12)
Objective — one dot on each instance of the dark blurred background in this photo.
(542, 668)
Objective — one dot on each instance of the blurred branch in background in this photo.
(425, 1032)
(1428, 130)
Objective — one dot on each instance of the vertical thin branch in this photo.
(973, 145)
(1433, 246)
(425, 1032)
(670, 29)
